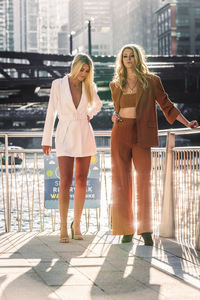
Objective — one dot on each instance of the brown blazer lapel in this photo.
(140, 91)
(116, 93)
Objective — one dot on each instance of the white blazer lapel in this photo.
(66, 93)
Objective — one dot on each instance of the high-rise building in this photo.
(135, 22)
(179, 27)
(120, 24)
(63, 39)
(37, 24)
(99, 15)
(6, 25)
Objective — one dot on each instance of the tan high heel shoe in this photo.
(75, 236)
(63, 237)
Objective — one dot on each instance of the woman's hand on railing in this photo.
(193, 124)
(116, 117)
(46, 149)
(184, 121)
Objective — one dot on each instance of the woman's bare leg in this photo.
(66, 174)
(81, 173)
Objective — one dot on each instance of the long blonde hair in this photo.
(140, 67)
(77, 64)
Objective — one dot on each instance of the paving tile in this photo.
(12, 255)
(67, 256)
(69, 276)
(89, 261)
(144, 294)
(53, 266)
(125, 288)
(93, 272)
(100, 250)
(176, 289)
(26, 286)
(81, 292)
(30, 251)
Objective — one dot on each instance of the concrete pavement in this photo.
(36, 266)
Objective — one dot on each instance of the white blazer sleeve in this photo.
(50, 116)
(97, 104)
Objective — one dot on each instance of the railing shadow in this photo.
(123, 274)
(40, 265)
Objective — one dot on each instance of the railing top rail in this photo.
(189, 148)
(104, 149)
(99, 149)
(163, 132)
(179, 131)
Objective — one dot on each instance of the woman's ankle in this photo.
(76, 227)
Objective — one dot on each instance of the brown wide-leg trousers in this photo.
(124, 150)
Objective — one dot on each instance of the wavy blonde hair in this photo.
(140, 67)
(77, 63)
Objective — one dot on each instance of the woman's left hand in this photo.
(193, 124)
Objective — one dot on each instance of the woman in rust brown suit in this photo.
(135, 92)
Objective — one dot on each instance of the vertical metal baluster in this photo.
(97, 217)
(184, 203)
(53, 219)
(33, 193)
(39, 199)
(27, 193)
(174, 189)
(197, 231)
(189, 197)
(3, 194)
(154, 190)
(181, 196)
(178, 193)
(105, 181)
(193, 200)
(22, 188)
(7, 184)
(16, 196)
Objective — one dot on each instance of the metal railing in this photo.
(175, 187)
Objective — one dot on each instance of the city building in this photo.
(37, 25)
(135, 22)
(179, 28)
(6, 25)
(99, 15)
(63, 40)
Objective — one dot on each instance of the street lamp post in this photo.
(89, 38)
(71, 41)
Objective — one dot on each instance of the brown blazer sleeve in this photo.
(115, 92)
(168, 108)
(112, 88)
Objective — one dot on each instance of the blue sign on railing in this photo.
(52, 180)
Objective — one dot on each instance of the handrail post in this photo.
(7, 185)
(197, 233)
(167, 226)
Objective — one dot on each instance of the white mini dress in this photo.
(74, 134)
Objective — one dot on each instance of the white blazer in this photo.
(74, 134)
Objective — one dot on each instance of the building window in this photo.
(182, 22)
(197, 23)
(197, 11)
(198, 37)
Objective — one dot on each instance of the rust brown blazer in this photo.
(146, 115)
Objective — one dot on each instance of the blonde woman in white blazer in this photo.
(75, 100)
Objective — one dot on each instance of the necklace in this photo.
(132, 89)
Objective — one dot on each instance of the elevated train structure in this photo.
(25, 78)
